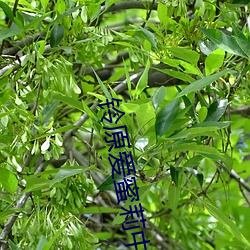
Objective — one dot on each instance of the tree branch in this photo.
(21, 44)
(235, 176)
(16, 63)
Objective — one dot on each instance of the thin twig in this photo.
(244, 195)
(148, 14)
(16, 63)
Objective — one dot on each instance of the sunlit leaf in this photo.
(66, 172)
(8, 180)
(41, 243)
(214, 61)
(185, 54)
(143, 81)
(104, 88)
(49, 244)
(173, 196)
(197, 85)
(99, 210)
(158, 97)
(7, 10)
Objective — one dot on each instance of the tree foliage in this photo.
(182, 70)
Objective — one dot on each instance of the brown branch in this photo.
(21, 44)
(16, 63)
(235, 176)
(243, 111)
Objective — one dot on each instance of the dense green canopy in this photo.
(181, 71)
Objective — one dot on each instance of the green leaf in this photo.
(198, 175)
(162, 12)
(34, 183)
(9, 32)
(127, 77)
(204, 150)
(166, 117)
(189, 68)
(177, 74)
(56, 35)
(188, 105)
(193, 132)
(223, 41)
(143, 81)
(49, 110)
(186, 54)
(99, 210)
(173, 196)
(219, 125)
(66, 172)
(49, 244)
(7, 10)
(4, 215)
(8, 180)
(202, 114)
(207, 46)
(237, 32)
(104, 89)
(216, 110)
(214, 61)
(158, 97)
(197, 85)
(194, 161)
(174, 172)
(70, 101)
(41, 243)
(88, 111)
(129, 107)
(241, 40)
(44, 3)
(147, 35)
(108, 183)
(244, 45)
(13, 246)
(227, 223)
